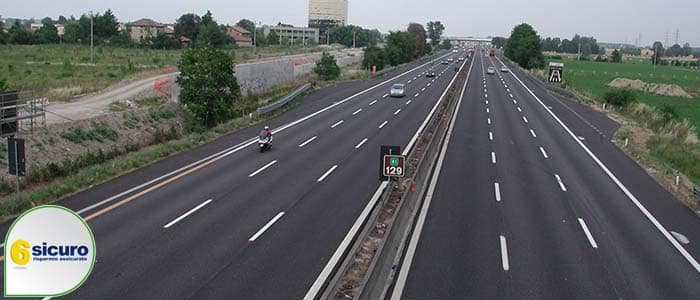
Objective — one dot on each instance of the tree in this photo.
(400, 47)
(428, 49)
(499, 42)
(106, 26)
(418, 33)
(246, 24)
(374, 56)
(446, 44)
(20, 36)
(345, 34)
(209, 89)
(187, 25)
(616, 56)
(46, 34)
(687, 50)
(435, 29)
(326, 68)
(164, 42)
(273, 38)
(675, 50)
(213, 35)
(658, 48)
(524, 47)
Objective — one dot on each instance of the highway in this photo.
(225, 221)
(521, 210)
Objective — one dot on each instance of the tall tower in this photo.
(324, 14)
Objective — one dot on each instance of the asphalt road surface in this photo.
(226, 221)
(522, 211)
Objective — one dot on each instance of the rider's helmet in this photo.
(267, 127)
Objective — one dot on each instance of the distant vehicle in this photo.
(450, 59)
(461, 59)
(398, 90)
(455, 51)
(492, 52)
(504, 69)
(444, 62)
(430, 74)
(490, 70)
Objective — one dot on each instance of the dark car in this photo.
(430, 74)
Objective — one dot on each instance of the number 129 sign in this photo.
(394, 165)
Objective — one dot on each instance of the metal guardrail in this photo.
(274, 106)
(420, 60)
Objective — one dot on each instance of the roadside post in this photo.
(16, 159)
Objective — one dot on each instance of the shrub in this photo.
(326, 68)
(620, 97)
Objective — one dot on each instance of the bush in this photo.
(620, 98)
(326, 68)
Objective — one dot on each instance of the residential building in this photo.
(240, 35)
(324, 14)
(35, 26)
(647, 52)
(60, 29)
(143, 29)
(294, 35)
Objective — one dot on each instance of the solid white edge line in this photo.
(383, 124)
(357, 111)
(337, 123)
(244, 144)
(497, 191)
(307, 141)
(191, 211)
(543, 152)
(588, 233)
(694, 263)
(561, 183)
(262, 168)
(266, 227)
(323, 177)
(361, 143)
(413, 243)
(504, 253)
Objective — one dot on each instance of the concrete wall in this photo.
(259, 76)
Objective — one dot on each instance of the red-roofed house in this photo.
(241, 36)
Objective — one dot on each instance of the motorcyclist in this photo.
(266, 134)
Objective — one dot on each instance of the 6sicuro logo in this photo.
(20, 254)
(50, 251)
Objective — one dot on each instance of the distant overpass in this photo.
(468, 39)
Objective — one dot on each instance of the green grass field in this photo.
(63, 71)
(591, 78)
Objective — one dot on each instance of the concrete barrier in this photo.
(259, 76)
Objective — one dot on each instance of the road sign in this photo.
(15, 156)
(8, 113)
(394, 166)
(383, 151)
(555, 72)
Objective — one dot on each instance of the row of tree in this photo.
(404, 46)
(586, 45)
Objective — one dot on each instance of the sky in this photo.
(607, 21)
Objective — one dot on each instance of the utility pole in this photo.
(91, 41)
(328, 37)
(255, 41)
(579, 49)
(353, 39)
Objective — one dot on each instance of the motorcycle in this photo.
(264, 143)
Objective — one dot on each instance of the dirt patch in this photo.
(663, 89)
